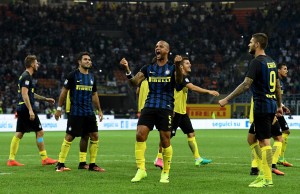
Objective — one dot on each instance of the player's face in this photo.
(161, 50)
(283, 71)
(85, 62)
(35, 65)
(186, 67)
(252, 46)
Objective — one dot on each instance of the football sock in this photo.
(65, 147)
(140, 148)
(194, 147)
(14, 146)
(253, 157)
(266, 153)
(82, 156)
(93, 150)
(258, 156)
(159, 155)
(43, 154)
(167, 157)
(284, 143)
(276, 150)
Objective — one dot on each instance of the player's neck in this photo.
(83, 71)
(30, 70)
(259, 52)
(162, 62)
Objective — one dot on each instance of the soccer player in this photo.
(83, 145)
(28, 119)
(282, 74)
(158, 109)
(181, 118)
(263, 80)
(81, 119)
(254, 146)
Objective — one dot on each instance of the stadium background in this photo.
(214, 34)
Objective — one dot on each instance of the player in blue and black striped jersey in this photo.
(81, 119)
(263, 80)
(158, 109)
(282, 74)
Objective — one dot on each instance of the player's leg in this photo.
(158, 162)
(83, 145)
(42, 151)
(255, 151)
(285, 134)
(14, 146)
(276, 149)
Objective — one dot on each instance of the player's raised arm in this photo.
(134, 80)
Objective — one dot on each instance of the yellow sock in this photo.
(140, 148)
(93, 151)
(14, 146)
(257, 152)
(194, 147)
(65, 147)
(266, 153)
(159, 155)
(253, 156)
(284, 144)
(82, 156)
(167, 158)
(43, 154)
(276, 150)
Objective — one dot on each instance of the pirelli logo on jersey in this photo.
(159, 79)
(271, 65)
(84, 88)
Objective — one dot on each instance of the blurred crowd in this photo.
(210, 35)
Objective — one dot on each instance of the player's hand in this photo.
(124, 63)
(214, 93)
(286, 110)
(100, 114)
(279, 112)
(50, 100)
(178, 58)
(31, 115)
(57, 114)
(223, 102)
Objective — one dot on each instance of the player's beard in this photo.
(87, 67)
(252, 51)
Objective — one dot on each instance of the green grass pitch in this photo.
(228, 173)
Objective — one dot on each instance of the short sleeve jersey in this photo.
(181, 96)
(81, 87)
(161, 80)
(263, 72)
(25, 80)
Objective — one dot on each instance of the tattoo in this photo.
(137, 79)
(240, 89)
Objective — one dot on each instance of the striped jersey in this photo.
(263, 72)
(25, 80)
(161, 80)
(81, 87)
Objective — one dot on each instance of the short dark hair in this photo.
(79, 56)
(280, 65)
(262, 39)
(29, 60)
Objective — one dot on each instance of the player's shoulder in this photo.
(25, 76)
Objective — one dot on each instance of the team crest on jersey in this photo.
(27, 83)
(92, 82)
(187, 80)
(167, 72)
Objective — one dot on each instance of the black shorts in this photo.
(283, 124)
(80, 126)
(184, 122)
(25, 125)
(275, 130)
(160, 118)
(263, 125)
